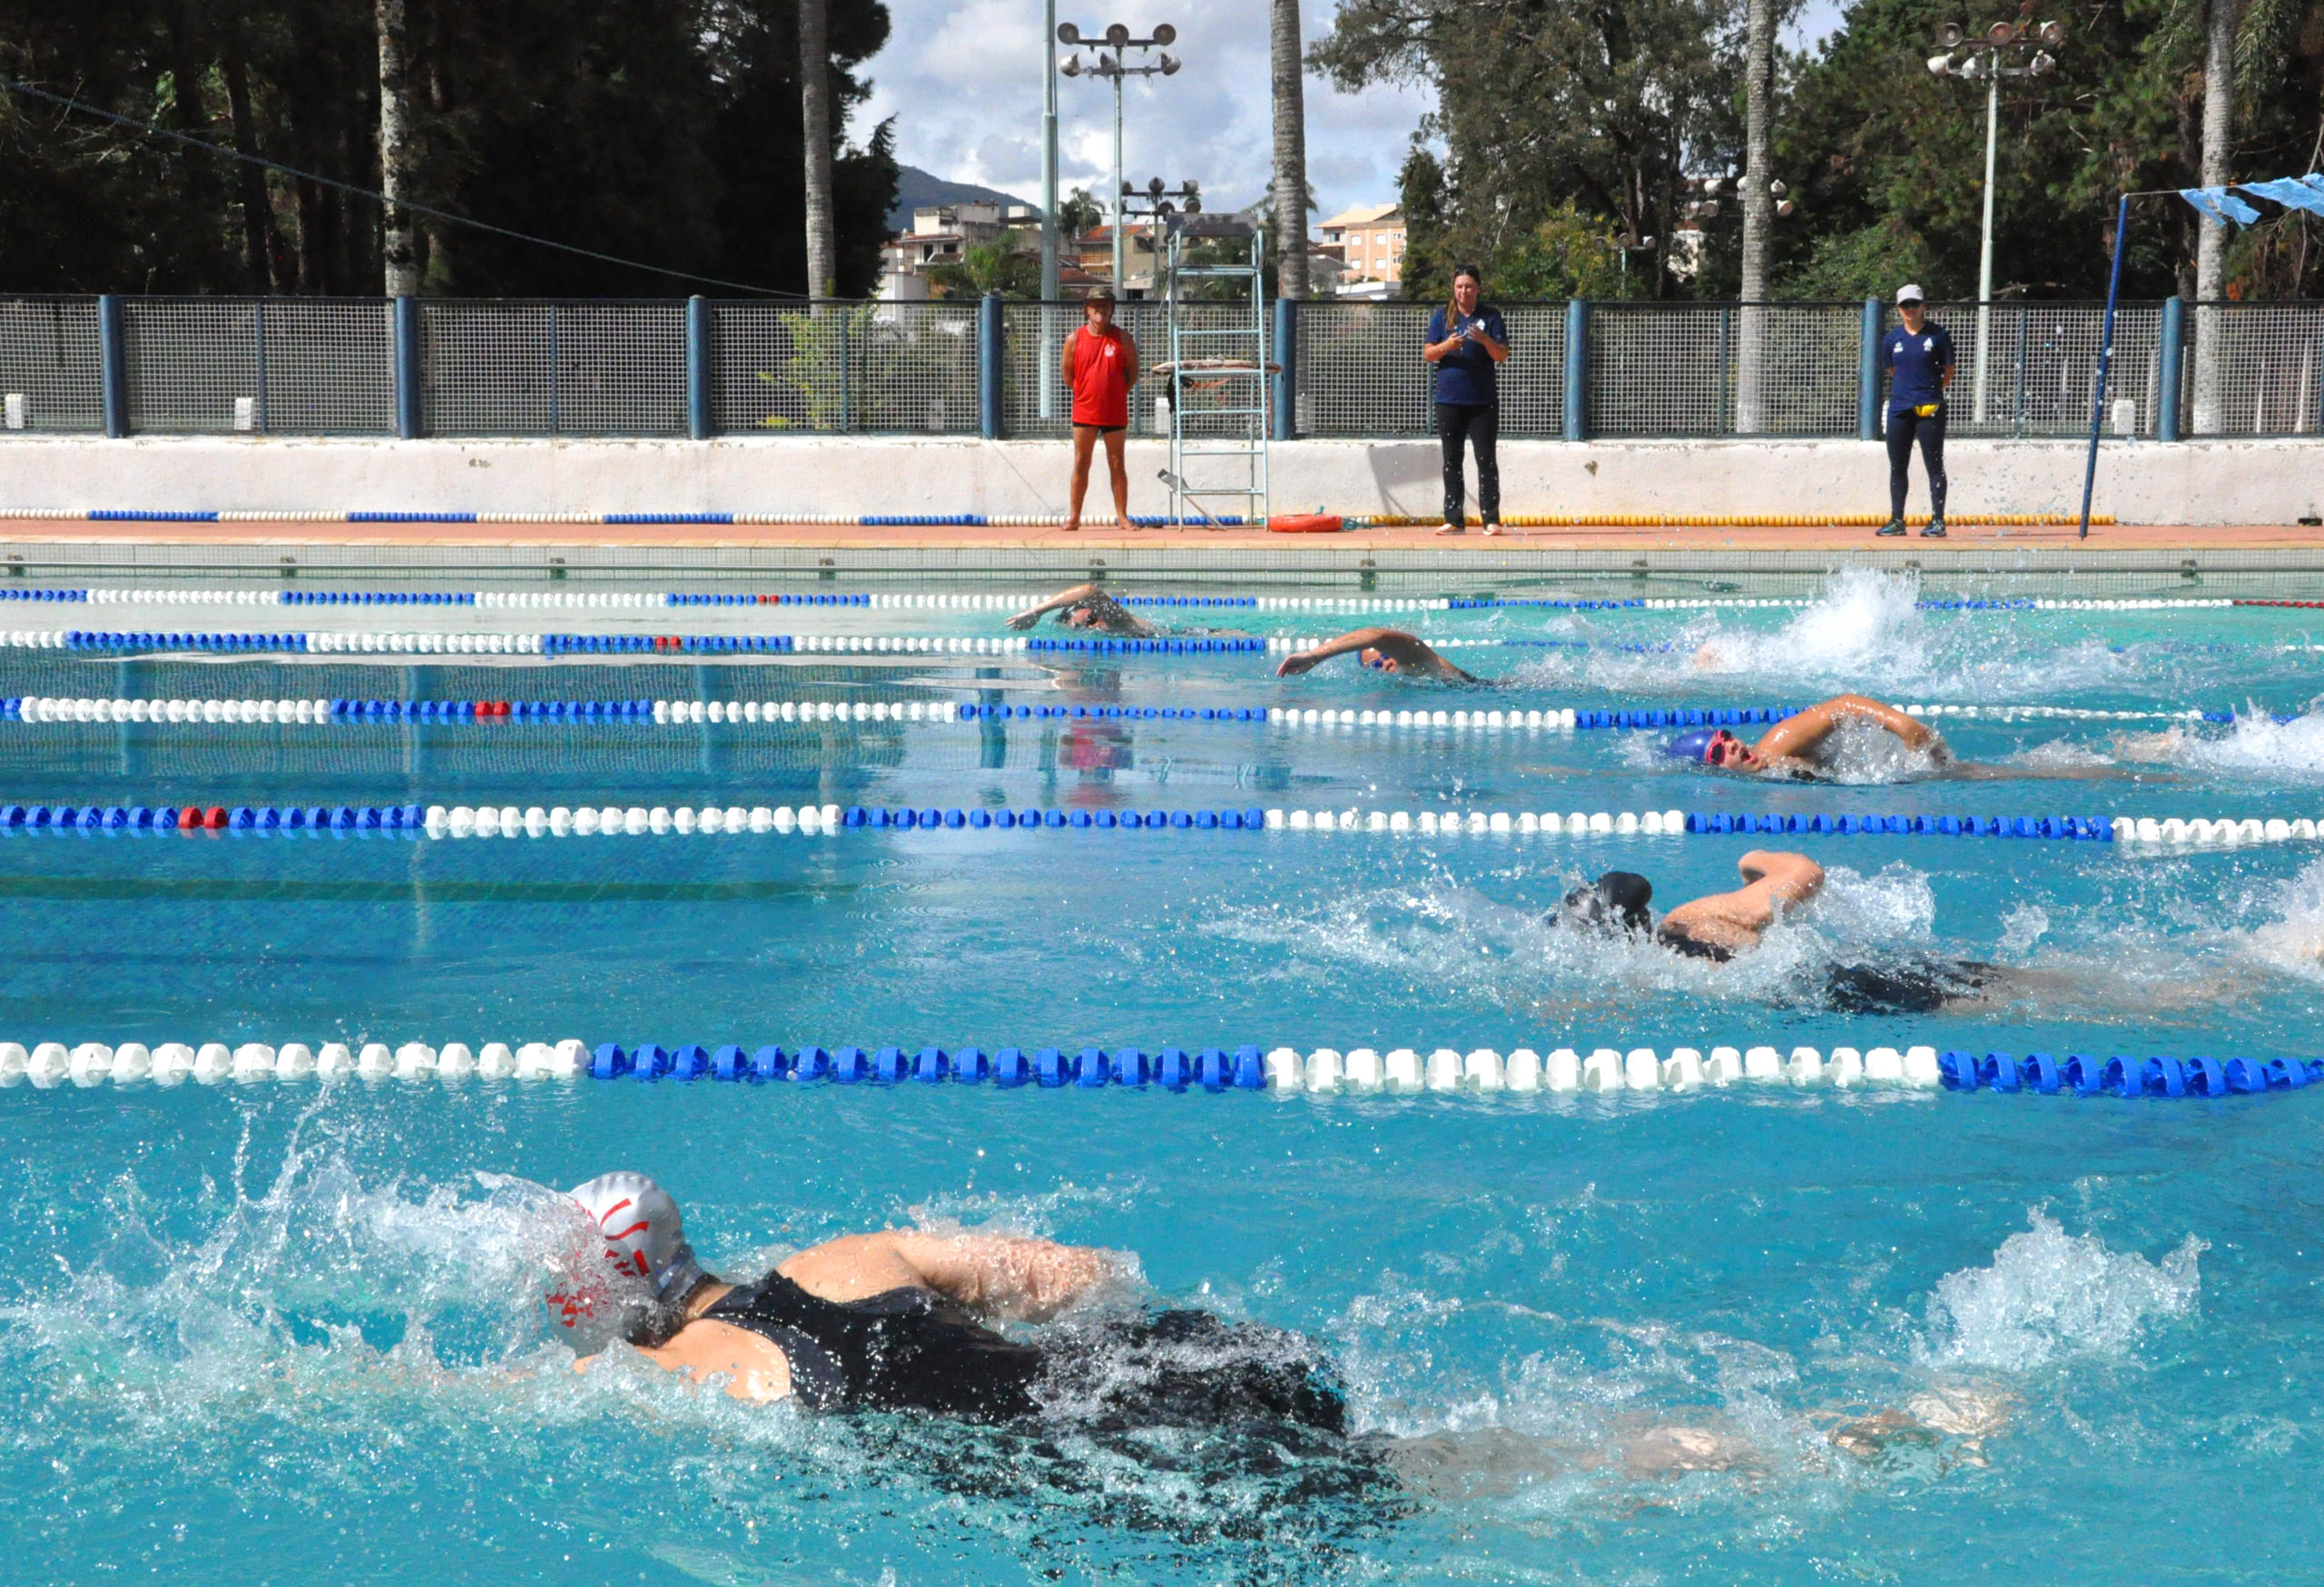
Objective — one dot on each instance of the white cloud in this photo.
(963, 80)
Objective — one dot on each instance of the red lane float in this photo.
(1306, 523)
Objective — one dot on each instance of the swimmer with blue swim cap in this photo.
(1793, 747)
(897, 1320)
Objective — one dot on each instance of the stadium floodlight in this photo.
(1109, 64)
(1070, 66)
(2005, 49)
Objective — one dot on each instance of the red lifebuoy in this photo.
(1306, 523)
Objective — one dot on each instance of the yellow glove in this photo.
(1926, 410)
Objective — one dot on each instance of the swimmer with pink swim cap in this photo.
(1791, 747)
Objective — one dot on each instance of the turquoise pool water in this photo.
(286, 1332)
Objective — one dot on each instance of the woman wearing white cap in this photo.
(896, 1320)
(1918, 357)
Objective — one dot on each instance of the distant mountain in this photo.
(917, 189)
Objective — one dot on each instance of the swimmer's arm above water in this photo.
(1110, 613)
(1001, 1275)
(1773, 880)
(1797, 737)
(1402, 651)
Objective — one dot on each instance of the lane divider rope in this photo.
(1004, 520)
(1283, 1071)
(510, 820)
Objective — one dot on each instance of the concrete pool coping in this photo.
(36, 547)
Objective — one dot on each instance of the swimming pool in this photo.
(286, 1331)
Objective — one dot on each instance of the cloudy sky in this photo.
(963, 80)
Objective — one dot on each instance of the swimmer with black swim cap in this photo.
(1721, 926)
(1085, 606)
(1389, 650)
(896, 1321)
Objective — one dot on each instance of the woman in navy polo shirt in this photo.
(1918, 357)
(1465, 341)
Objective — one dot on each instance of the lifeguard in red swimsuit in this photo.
(1101, 367)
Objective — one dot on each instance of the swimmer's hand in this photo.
(1026, 619)
(1297, 662)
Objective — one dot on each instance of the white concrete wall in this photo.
(2197, 482)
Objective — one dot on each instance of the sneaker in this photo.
(1893, 526)
(1935, 530)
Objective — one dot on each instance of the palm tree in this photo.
(1758, 213)
(1290, 152)
(2211, 236)
(815, 115)
(401, 258)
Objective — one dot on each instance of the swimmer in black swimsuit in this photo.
(895, 1321)
(1722, 925)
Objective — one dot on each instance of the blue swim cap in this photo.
(1691, 747)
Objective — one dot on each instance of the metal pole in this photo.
(1986, 249)
(1049, 239)
(2105, 356)
(1119, 287)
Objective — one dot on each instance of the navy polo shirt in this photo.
(1465, 374)
(1915, 365)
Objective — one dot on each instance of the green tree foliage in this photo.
(665, 133)
(1541, 104)
(998, 266)
(1600, 113)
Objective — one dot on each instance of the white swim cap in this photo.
(643, 1264)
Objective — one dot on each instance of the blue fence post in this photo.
(1867, 370)
(112, 365)
(1576, 369)
(698, 367)
(991, 351)
(1286, 374)
(406, 322)
(2172, 353)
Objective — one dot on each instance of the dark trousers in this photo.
(1479, 423)
(1904, 424)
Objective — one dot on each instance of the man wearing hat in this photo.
(1918, 357)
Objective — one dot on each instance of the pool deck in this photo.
(95, 546)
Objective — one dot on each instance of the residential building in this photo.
(1370, 240)
(942, 235)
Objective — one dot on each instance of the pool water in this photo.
(288, 1332)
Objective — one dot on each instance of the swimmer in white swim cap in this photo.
(646, 1264)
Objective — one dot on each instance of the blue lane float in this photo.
(1114, 646)
(108, 640)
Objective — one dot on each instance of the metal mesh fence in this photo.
(2271, 363)
(2038, 374)
(861, 367)
(193, 364)
(555, 368)
(1360, 370)
(48, 364)
(326, 366)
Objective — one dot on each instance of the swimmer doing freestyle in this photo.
(1800, 747)
(1724, 926)
(1388, 650)
(897, 1321)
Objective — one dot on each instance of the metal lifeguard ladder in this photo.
(1219, 372)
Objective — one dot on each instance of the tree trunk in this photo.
(2211, 236)
(257, 209)
(400, 259)
(1290, 152)
(1759, 215)
(815, 118)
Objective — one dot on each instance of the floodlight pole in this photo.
(1110, 51)
(1969, 57)
(1050, 241)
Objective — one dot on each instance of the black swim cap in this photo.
(1617, 899)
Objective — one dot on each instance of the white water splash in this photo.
(2050, 1296)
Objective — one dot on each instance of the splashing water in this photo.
(2254, 744)
(2050, 1296)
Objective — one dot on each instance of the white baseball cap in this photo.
(1910, 292)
